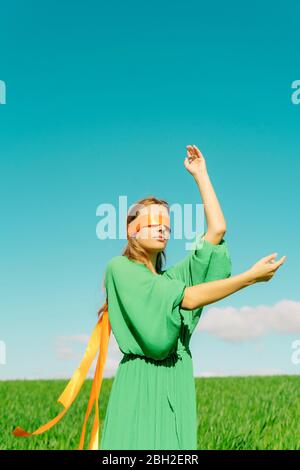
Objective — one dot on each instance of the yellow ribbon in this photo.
(99, 339)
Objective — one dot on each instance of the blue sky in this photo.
(101, 100)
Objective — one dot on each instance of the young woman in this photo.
(153, 313)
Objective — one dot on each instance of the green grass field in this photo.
(233, 413)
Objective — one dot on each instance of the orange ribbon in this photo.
(99, 339)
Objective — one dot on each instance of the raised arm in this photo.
(209, 292)
(216, 224)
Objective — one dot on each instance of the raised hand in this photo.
(194, 161)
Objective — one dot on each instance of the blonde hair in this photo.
(133, 249)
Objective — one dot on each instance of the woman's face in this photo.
(155, 237)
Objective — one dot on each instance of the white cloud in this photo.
(246, 323)
(65, 345)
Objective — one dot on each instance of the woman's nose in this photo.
(163, 229)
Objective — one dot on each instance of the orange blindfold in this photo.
(148, 220)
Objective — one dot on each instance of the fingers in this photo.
(192, 151)
(270, 257)
(190, 157)
(279, 262)
(198, 153)
(271, 260)
(188, 154)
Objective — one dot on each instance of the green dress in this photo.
(152, 403)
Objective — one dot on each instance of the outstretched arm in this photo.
(216, 224)
(209, 292)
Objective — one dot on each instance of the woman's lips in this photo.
(160, 239)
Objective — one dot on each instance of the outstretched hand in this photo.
(194, 161)
(265, 268)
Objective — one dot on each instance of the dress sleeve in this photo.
(146, 305)
(205, 262)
